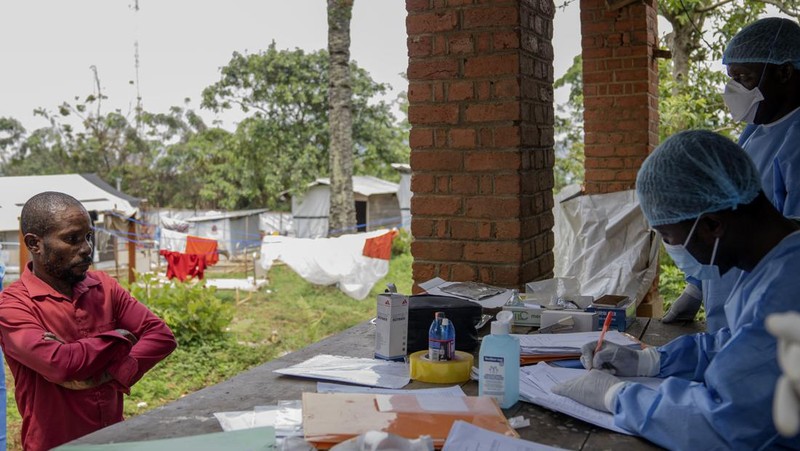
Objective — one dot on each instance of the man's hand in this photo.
(88, 383)
(621, 360)
(687, 305)
(49, 336)
(596, 389)
(786, 404)
(132, 338)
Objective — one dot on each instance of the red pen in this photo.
(606, 325)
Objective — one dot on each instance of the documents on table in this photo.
(464, 436)
(536, 382)
(354, 370)
(330, 418)
(327, 387)
(255, 439)
(435, 285)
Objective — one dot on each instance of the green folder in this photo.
(255, 439)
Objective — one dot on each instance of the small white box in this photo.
(584, 321)
(391, 326)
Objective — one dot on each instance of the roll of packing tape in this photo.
(448, 372)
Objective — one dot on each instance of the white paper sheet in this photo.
(429, 403)
(536, 382)
(434, 286)
(353, 370)
(464, 436)
(569, 343)
(327, 387)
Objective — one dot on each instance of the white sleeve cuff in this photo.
(610, 399)
(649, 362)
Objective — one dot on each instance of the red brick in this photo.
(435, 205)
(419, 46)
(424, 160)
(492, 65)
(506, 88)
(433, 114)
(432, 70)
(431, 22)
(464, 230)
(419, 92)
(491, 207)
(463, 184)
(422, 227)
(507, 184)
(422, 183)
(490, 112)
(505, 40)
(493, 252)
(494, 17)
(460, 44)
(460, 90)
(463, 272)
(492, 161)
(463, 138)
(420, 137)
(422, 271)
(417, 5)
(438, 250)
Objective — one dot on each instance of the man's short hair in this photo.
(38, 213)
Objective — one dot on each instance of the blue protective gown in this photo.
(719, 387)
(775, 149)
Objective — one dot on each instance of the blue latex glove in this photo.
(621, 360)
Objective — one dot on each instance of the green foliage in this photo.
(191, 310)
(568, 167)
(402, 243)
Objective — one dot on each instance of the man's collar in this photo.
(39, 288)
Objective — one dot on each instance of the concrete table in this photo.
(193, 414)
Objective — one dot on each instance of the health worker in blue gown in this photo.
(763, 62)
(703, 194)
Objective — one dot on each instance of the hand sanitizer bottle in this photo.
(498, 363)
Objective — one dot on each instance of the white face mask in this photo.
(688, 264)
(742, 102)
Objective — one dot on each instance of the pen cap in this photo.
(503, 324)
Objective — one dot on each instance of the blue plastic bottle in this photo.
(498, 363)
(441, 339)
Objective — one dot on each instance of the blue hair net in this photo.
(692, 173)
(773, 40)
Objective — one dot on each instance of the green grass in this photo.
(286, 315)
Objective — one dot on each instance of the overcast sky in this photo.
(48, 46)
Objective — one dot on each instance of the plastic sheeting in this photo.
(327, 261)
(605, 242)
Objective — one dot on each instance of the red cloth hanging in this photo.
(380, 246)
(205, 247)
(184, 266)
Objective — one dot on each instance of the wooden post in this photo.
(23, 253)
(131, 250)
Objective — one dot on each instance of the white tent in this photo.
(95, 195)
(235, 231)
(376, 206)
(404, 193)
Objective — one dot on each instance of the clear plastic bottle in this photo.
(498, 363)
(441, 339)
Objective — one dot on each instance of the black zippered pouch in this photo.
(464, 315)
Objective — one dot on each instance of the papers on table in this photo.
(536, 382)
(353, 370)
(568, 344)
(435, 285)
(465, 436)
(286, 418)
(327, 387)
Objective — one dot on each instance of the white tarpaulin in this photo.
(327, 261)
(604, 241)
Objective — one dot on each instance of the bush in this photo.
(401, 243)
(191, 310)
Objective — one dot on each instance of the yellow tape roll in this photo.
(449, 372)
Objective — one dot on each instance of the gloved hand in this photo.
(596, 389)
(786, 404)
(621, 360)
(687, 305)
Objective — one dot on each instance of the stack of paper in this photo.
(542, 347)
(536, 382)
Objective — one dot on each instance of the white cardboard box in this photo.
(391, 326)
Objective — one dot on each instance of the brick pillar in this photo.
(481, 110)
(620, 88)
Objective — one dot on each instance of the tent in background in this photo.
(235, 231)
(95, 194)
(404, 193)
(376, 200)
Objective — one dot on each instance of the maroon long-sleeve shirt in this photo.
(87, 323)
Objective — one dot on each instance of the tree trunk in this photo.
(342, 216)
(683, 41)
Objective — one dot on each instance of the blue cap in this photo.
(692, 173)
(773, 40)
